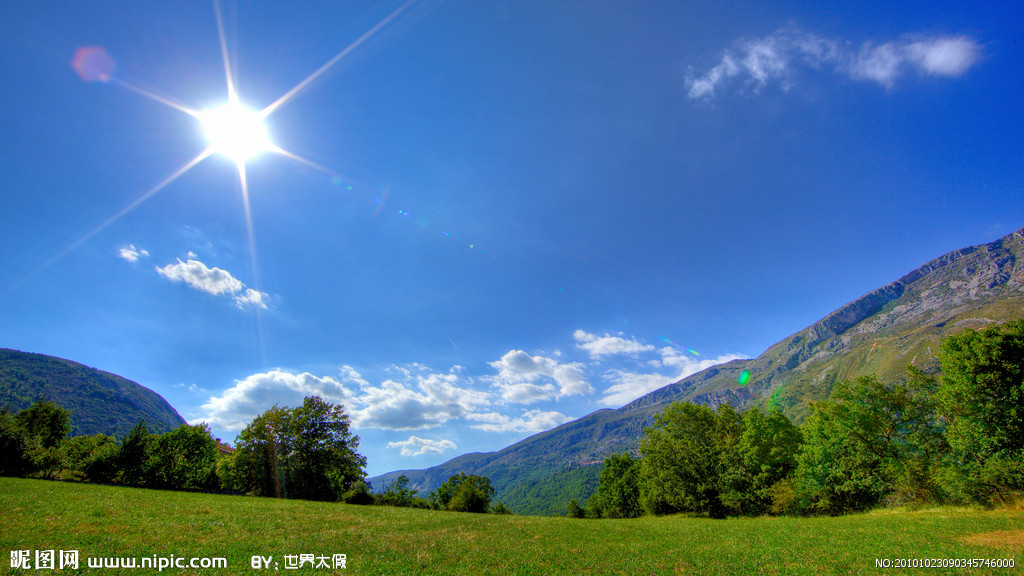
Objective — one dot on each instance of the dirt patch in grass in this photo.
(997, 539)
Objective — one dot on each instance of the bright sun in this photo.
(235, 131)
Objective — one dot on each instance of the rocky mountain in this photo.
(99, 402)
(880, 333)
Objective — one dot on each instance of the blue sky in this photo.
(492, 217)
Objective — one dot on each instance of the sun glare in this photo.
(235, 131)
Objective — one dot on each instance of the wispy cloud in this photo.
(416, 446)
(608, 345)
(525, 379)
(630, 385)
(215, 281)
(776, 58)
(131, 253)
(530, 421)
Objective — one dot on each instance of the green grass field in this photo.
(126, 522)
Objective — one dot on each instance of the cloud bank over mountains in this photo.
(776, 58)
(415, 397)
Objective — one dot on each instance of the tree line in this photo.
(956, 437)
(307, 452)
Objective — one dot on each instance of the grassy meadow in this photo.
(127, 522)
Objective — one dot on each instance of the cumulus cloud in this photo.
(628, 386)
(416, 446)
(530, 421)
(525, 379)
(215, 281)
(775, 58)
(254, 395)
(131, 253)
(607, 345)
(430, 401)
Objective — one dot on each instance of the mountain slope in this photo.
(99, 402)
(879, 333)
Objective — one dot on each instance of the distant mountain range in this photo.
(99, 402)
(880, 333)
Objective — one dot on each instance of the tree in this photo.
(78, 453)
(682, 458)
(398, 493)
(305, 452)
(183, 459)
(869, 441)
(764, 456)
(618, 490)
(981, 399)
(46, 421)
(574, 510)
(261, 449)
(44, 425)
(463, 493)
(15, 459)
(133, 457)
(323, 463)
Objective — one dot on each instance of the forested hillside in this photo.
(100, 402)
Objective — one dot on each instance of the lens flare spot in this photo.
(744, 377)
(235, 131)
(93, 64)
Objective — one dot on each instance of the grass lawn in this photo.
(126, 522)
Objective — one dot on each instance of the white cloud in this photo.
(131, 253)
(416, 446)
(430, 401)
(775, 58)
(629, 386)
(519, 374)
(426, 400)
(530, 421)
(254, 395)
(607, 345)
(215, 281)
(944, 56)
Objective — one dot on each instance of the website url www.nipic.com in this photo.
(70, 560)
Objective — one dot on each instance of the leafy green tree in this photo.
(574, 510)
(183, 459)
(44, 425)
(323, 463)
(261, 450)
(102, 463)
(463, 493)
(306, 452)
(981, 399)
(133, 457)
(398, 493)
(360, 493)
(682, 458)
(618, 490)
(77, 452)
(15, 457)
(868, 442)
(764, 455)
(46, 421)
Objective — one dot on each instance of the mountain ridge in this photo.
(100, 402)
(880, 333)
